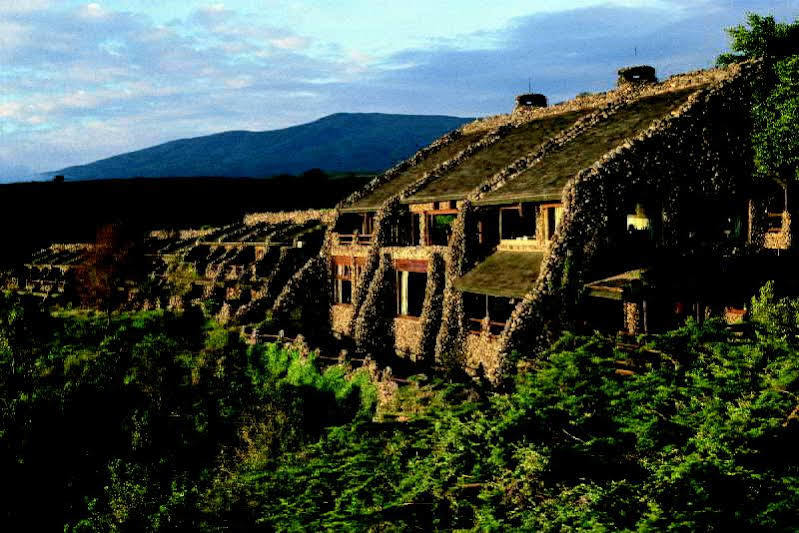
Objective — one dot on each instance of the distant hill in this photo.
(342, 142)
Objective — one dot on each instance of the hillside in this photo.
(337, 143)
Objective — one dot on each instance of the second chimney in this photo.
(531, 101)
(639, 75)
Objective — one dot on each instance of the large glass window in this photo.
(639, 225)
(515, 223)
(476, 310)
(496, 308)
(343, 285)
(775, 207)
(439, 228)
(410, 293)
(499, 311)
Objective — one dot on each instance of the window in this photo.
(410, 293)
(499, 311)
(515, 223)
(439, 228)
(479, 306)
(475, 308)
(776, 202)
(343, 285)
(639, 226)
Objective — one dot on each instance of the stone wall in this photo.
(307, 294)
(407, 336)
(374, 325)
(340, 318)
(779, 240)
(72, 247)
(432, 308)
(162, 234)
(703, 148)
(662, 159)
(633, 318)
(482, 355)
(452, 334)
(325, 216)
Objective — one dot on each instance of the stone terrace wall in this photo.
(326, 216)
(72, 247)
(183, 234)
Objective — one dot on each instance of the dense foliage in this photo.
(700, 437)
(761, 36)
(126, 425)
(163, 422)
(776, 141)
(776, 109)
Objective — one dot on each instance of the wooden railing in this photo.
(775, 221)
(494, 328)
(350, 239)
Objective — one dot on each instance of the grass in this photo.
(545, 180)
(505, 274)
(376, 198)
(525, 138)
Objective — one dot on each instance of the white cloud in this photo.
(291, 42)
(93, 10)
(77, 84)
(239, 82)
(12, 34)
(23, 6)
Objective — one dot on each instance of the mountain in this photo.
(341, 142)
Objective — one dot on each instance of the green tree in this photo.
(776, 108)
(776, 123)
(761, 37)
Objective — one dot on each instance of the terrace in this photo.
(354, 229)
(503, 274)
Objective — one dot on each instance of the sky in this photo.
(80, 81)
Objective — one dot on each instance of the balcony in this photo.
(352, 239)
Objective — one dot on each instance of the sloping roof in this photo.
(458, 183)
(375, 199)
(507, 274)
(546, 179)
(614, 287)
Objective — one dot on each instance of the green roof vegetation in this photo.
(505, 274)
(376, 198)
(546, 179)
(613, 288)
(456, 184)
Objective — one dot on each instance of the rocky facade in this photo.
(701, 148)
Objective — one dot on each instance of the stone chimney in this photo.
(530, 101)
(640, 75)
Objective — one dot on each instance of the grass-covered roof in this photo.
(546, 179)
(375, 199)
(458, 183)
(613, 288)
(506, 274)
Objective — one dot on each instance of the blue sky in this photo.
(84, 80)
